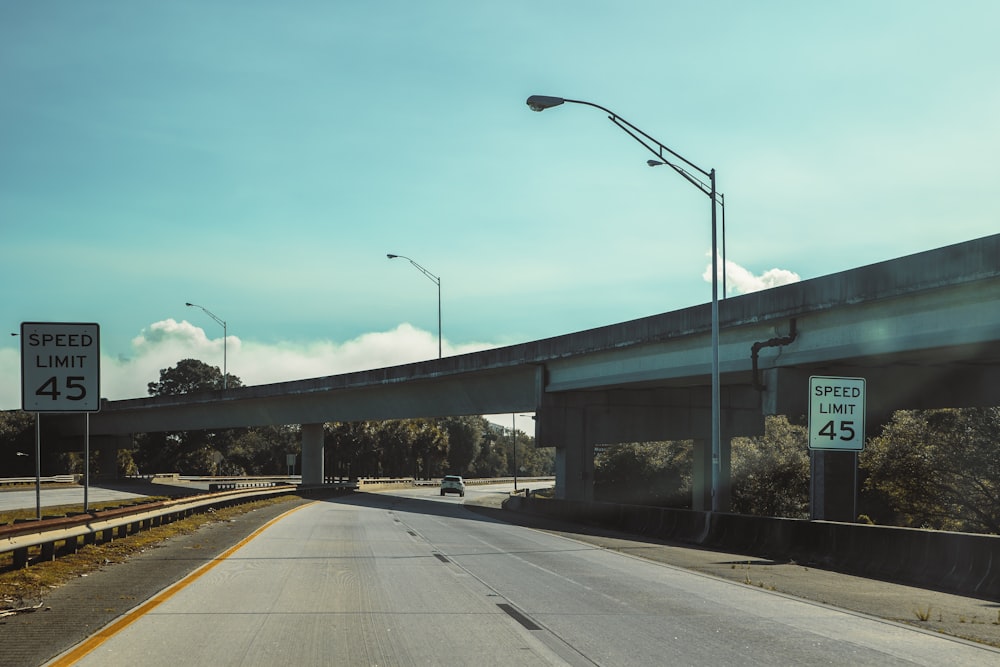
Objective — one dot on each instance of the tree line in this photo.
(926, 468)
(934, 469)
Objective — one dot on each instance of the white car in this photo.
(453, 484)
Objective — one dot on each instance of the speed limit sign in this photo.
(60, 367)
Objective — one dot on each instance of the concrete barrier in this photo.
(961, 563)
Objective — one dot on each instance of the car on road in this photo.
(453, 484)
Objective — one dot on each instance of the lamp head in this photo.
(543, 102)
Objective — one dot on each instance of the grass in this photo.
(26, 586)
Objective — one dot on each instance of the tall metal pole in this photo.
(513, 448)
(666, 155)
(225, 337)
(86, 459)
(38, 465)
(716, 410)
(434, 279)
(439, 317)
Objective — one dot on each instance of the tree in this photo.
(191, 452)
(645, 473)
(17, 443)
(429, 446)
(465, 436)
(190, 375)
(936, 469)
(770, 473)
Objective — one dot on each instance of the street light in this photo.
(225, 372)
(722, 205)
(434, 279)
(667, 156)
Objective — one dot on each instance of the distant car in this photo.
(453, 484)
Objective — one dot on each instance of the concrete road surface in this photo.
(412, 578)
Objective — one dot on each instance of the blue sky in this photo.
(260, 159)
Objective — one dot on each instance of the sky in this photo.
(260, 159)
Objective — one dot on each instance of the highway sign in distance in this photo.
(60, 367)
(836, 413)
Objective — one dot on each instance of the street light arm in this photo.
(225, 341)
(660, 150)
(435, 279)
(209, 313)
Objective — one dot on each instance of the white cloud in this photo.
(164, 343)
(740, 280)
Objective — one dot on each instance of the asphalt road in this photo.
(64, 495)
(411, 578)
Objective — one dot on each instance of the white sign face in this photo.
(836, 413)
(60, 367)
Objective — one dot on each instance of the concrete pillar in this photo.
(107, 461)
(312, 454)
(575, 458)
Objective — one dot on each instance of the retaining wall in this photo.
(961, 563)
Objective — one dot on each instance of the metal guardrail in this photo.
(476, 481)
(105, 525)
(54, 479)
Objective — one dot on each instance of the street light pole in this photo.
(225, 336)
(434, 279)
(513, 446)
(667, 156)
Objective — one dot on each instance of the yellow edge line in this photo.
(91, 643)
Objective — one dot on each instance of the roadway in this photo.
(52, 496)
(409, 577)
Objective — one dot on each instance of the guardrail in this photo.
(475, 481)
(54, 479)
(47, 534)
(106, 525)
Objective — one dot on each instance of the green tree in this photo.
(770, 473)
(190, 452)
(645, 473)
(936, 469)
(17, 443)
(261, 450)
(188, 376)
(428, 446)
(465, 437)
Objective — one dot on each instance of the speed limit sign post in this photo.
(60, 367)
(836, 413)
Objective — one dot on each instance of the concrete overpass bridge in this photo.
(924, 330)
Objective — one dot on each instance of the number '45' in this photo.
(74, 384)
(846, 430)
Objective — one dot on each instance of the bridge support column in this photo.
(107, 459)
(574, 459)
(312, 454)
